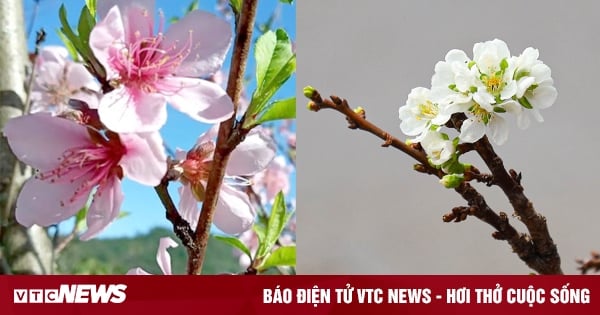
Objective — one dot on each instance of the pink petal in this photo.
(163, 258)
(234, 213)
(138, 272)
(104, 35)
(252, 155)
(202, 100)
(188, 205)
(78, 77)
(105, 208)
(49, 74)
(138, 15)
(145, 161)
(209, 135)
(123, 111)
(211, 39)
(44, 203)
(40, 139)
(53, 53)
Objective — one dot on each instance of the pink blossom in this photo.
(163, 258)
(234, 213)
(148, 70)
(71, 160)
(58, 80)
(275, 178)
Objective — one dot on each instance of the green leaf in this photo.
(84, 27)
(282, 256)
(235, 242)
(275, 64)
(68, 45)
(80, 219)
(193, 6)
(278, 218)
(91, 5)
(123, 214)
(66, 28)
(287, 1)
(261, 232)
(236, 6)
(81, 45)
(503, 64)
(280, 109)
(499, 109)
(525, 103)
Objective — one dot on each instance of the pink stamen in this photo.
(94, 163)
(144, 61)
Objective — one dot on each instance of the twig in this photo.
(537, 251)
(180, 226)
(591, 264)
(545, 249)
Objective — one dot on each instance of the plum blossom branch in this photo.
(230, 134)
(539, 257)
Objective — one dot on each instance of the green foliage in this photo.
(287, 1)
(236, 6)
(118, 255)
(79, 43)
(235, 242)
(91, 5)
(282, 256)
(275, 64)
(269, 234)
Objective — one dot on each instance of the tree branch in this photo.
(229, 136)
(537, 251)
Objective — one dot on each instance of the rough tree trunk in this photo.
(22, 251)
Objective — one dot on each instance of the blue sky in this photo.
(141, 202)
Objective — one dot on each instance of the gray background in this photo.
(362, 209)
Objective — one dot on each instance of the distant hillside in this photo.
(118, 255)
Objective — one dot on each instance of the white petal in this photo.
(163, 258)
(188, 205)
(234, 213)
(471, 131)
(542, 97)
(138, 272)
(499, 129)
(523, 85)
(252, 155)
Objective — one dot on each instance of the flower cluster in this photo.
(86, 131)
(475, 96)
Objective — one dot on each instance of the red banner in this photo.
(299, 294)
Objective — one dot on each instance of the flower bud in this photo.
(452, 180)
(308, 91)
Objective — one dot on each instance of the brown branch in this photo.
(357, 120)
(537, 254)
(591, 264)
(546, 252)
(180, 226)
(229, 136)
